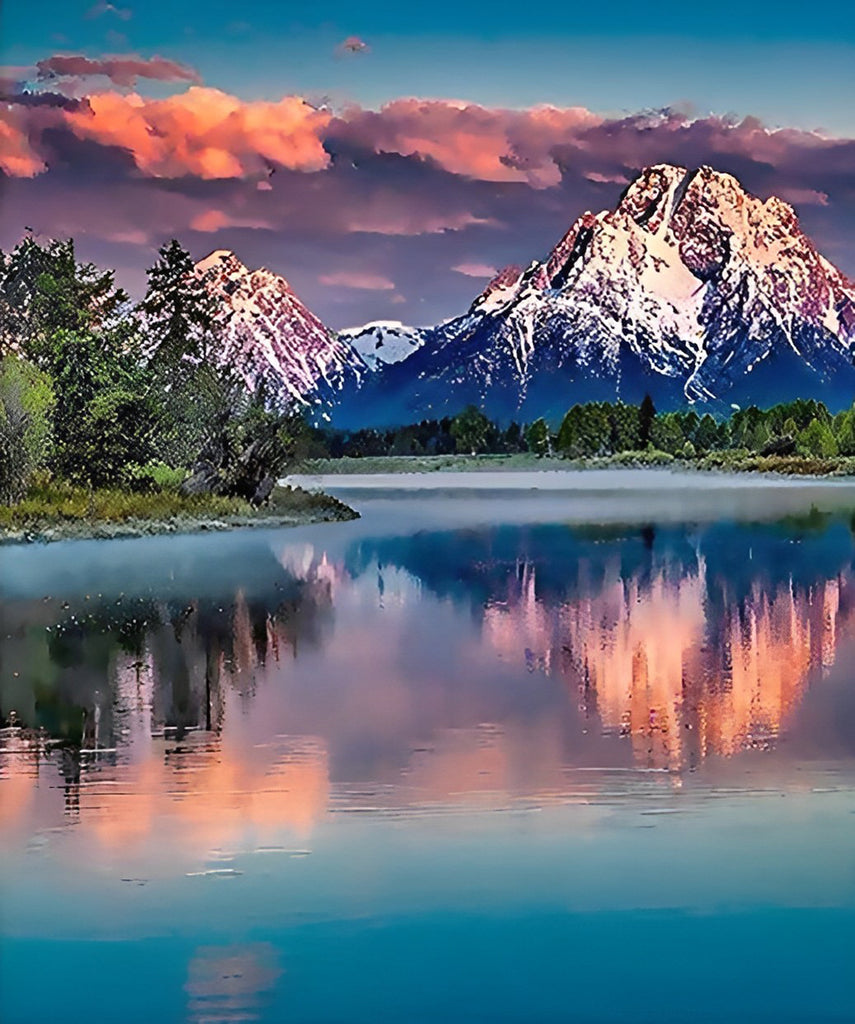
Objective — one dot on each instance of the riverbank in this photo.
(64, 513)
(715, 462)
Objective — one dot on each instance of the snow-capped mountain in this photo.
(270, 334)
(690, 289)
(383, 341)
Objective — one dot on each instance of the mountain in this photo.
(269, 334)
(691, 289)
(383, 341)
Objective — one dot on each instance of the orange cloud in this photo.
(357, 279)
(205, 133)
(491, 144)
(17, 156)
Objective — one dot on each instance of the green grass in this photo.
(63, 503)
(57, 505)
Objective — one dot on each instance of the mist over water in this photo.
(418, 765)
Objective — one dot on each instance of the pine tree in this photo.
(646, 415)
(178, 311)
(45, 289)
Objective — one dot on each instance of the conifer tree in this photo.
(178, 311)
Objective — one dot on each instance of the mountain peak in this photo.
(690, 288)
(270, 335)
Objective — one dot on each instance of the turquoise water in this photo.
(469, 758)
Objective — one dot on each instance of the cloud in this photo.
(122, 70)
(101, 8)
(357, 279)
(491, 144)
(352, 44)
(428, 194)
(205, 133)
(18, 158)
(803, 196)
(475, 270)
(209, 221)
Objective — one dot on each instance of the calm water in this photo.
(469, 758)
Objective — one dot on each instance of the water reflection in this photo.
(203, 709)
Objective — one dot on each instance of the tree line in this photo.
(596, 429)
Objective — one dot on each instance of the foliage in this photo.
(817, 439)
(537, 437)
(56, 502)
(470, 430)
(105, 416)
(26, 405)
(178, 312)
(44, 289)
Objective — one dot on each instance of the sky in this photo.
(389, 158)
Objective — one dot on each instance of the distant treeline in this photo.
(803, 427)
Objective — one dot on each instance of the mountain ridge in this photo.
(690, 288)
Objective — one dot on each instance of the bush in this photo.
(26, 404)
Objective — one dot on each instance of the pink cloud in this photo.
(804, 196)
(122, 71)
(352, 44)
(490, 144)
(359, 280)
(210, 221)
(205, 133)
(475, 270)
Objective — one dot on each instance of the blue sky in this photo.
(778, 61)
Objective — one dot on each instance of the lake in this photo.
(567, 747)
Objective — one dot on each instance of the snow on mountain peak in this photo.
(382, 342)
(269, 334)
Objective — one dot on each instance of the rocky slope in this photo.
(270, 334)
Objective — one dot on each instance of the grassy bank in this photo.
(727, 461)
(61, 511)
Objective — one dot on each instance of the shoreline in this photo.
(758, 467)
(314, 507)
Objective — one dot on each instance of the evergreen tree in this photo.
(537, 437)
(646, 415)
(706, 434)
(178, 310)
(817, 439)
(45, 289)
(470, 430)
(626, 428)
(666, 433)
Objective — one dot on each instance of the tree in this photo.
(469, 430)
(706, 434)
(45, 289)
(178, 311)
(646, 416)
(105, 416)
(666, 434)
(844, 432)
(537, 437)
(26, 403)
(249, 443)
(585, 431)
(817, 439)
(626, 428)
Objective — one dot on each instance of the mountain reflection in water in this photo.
(220, 706)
